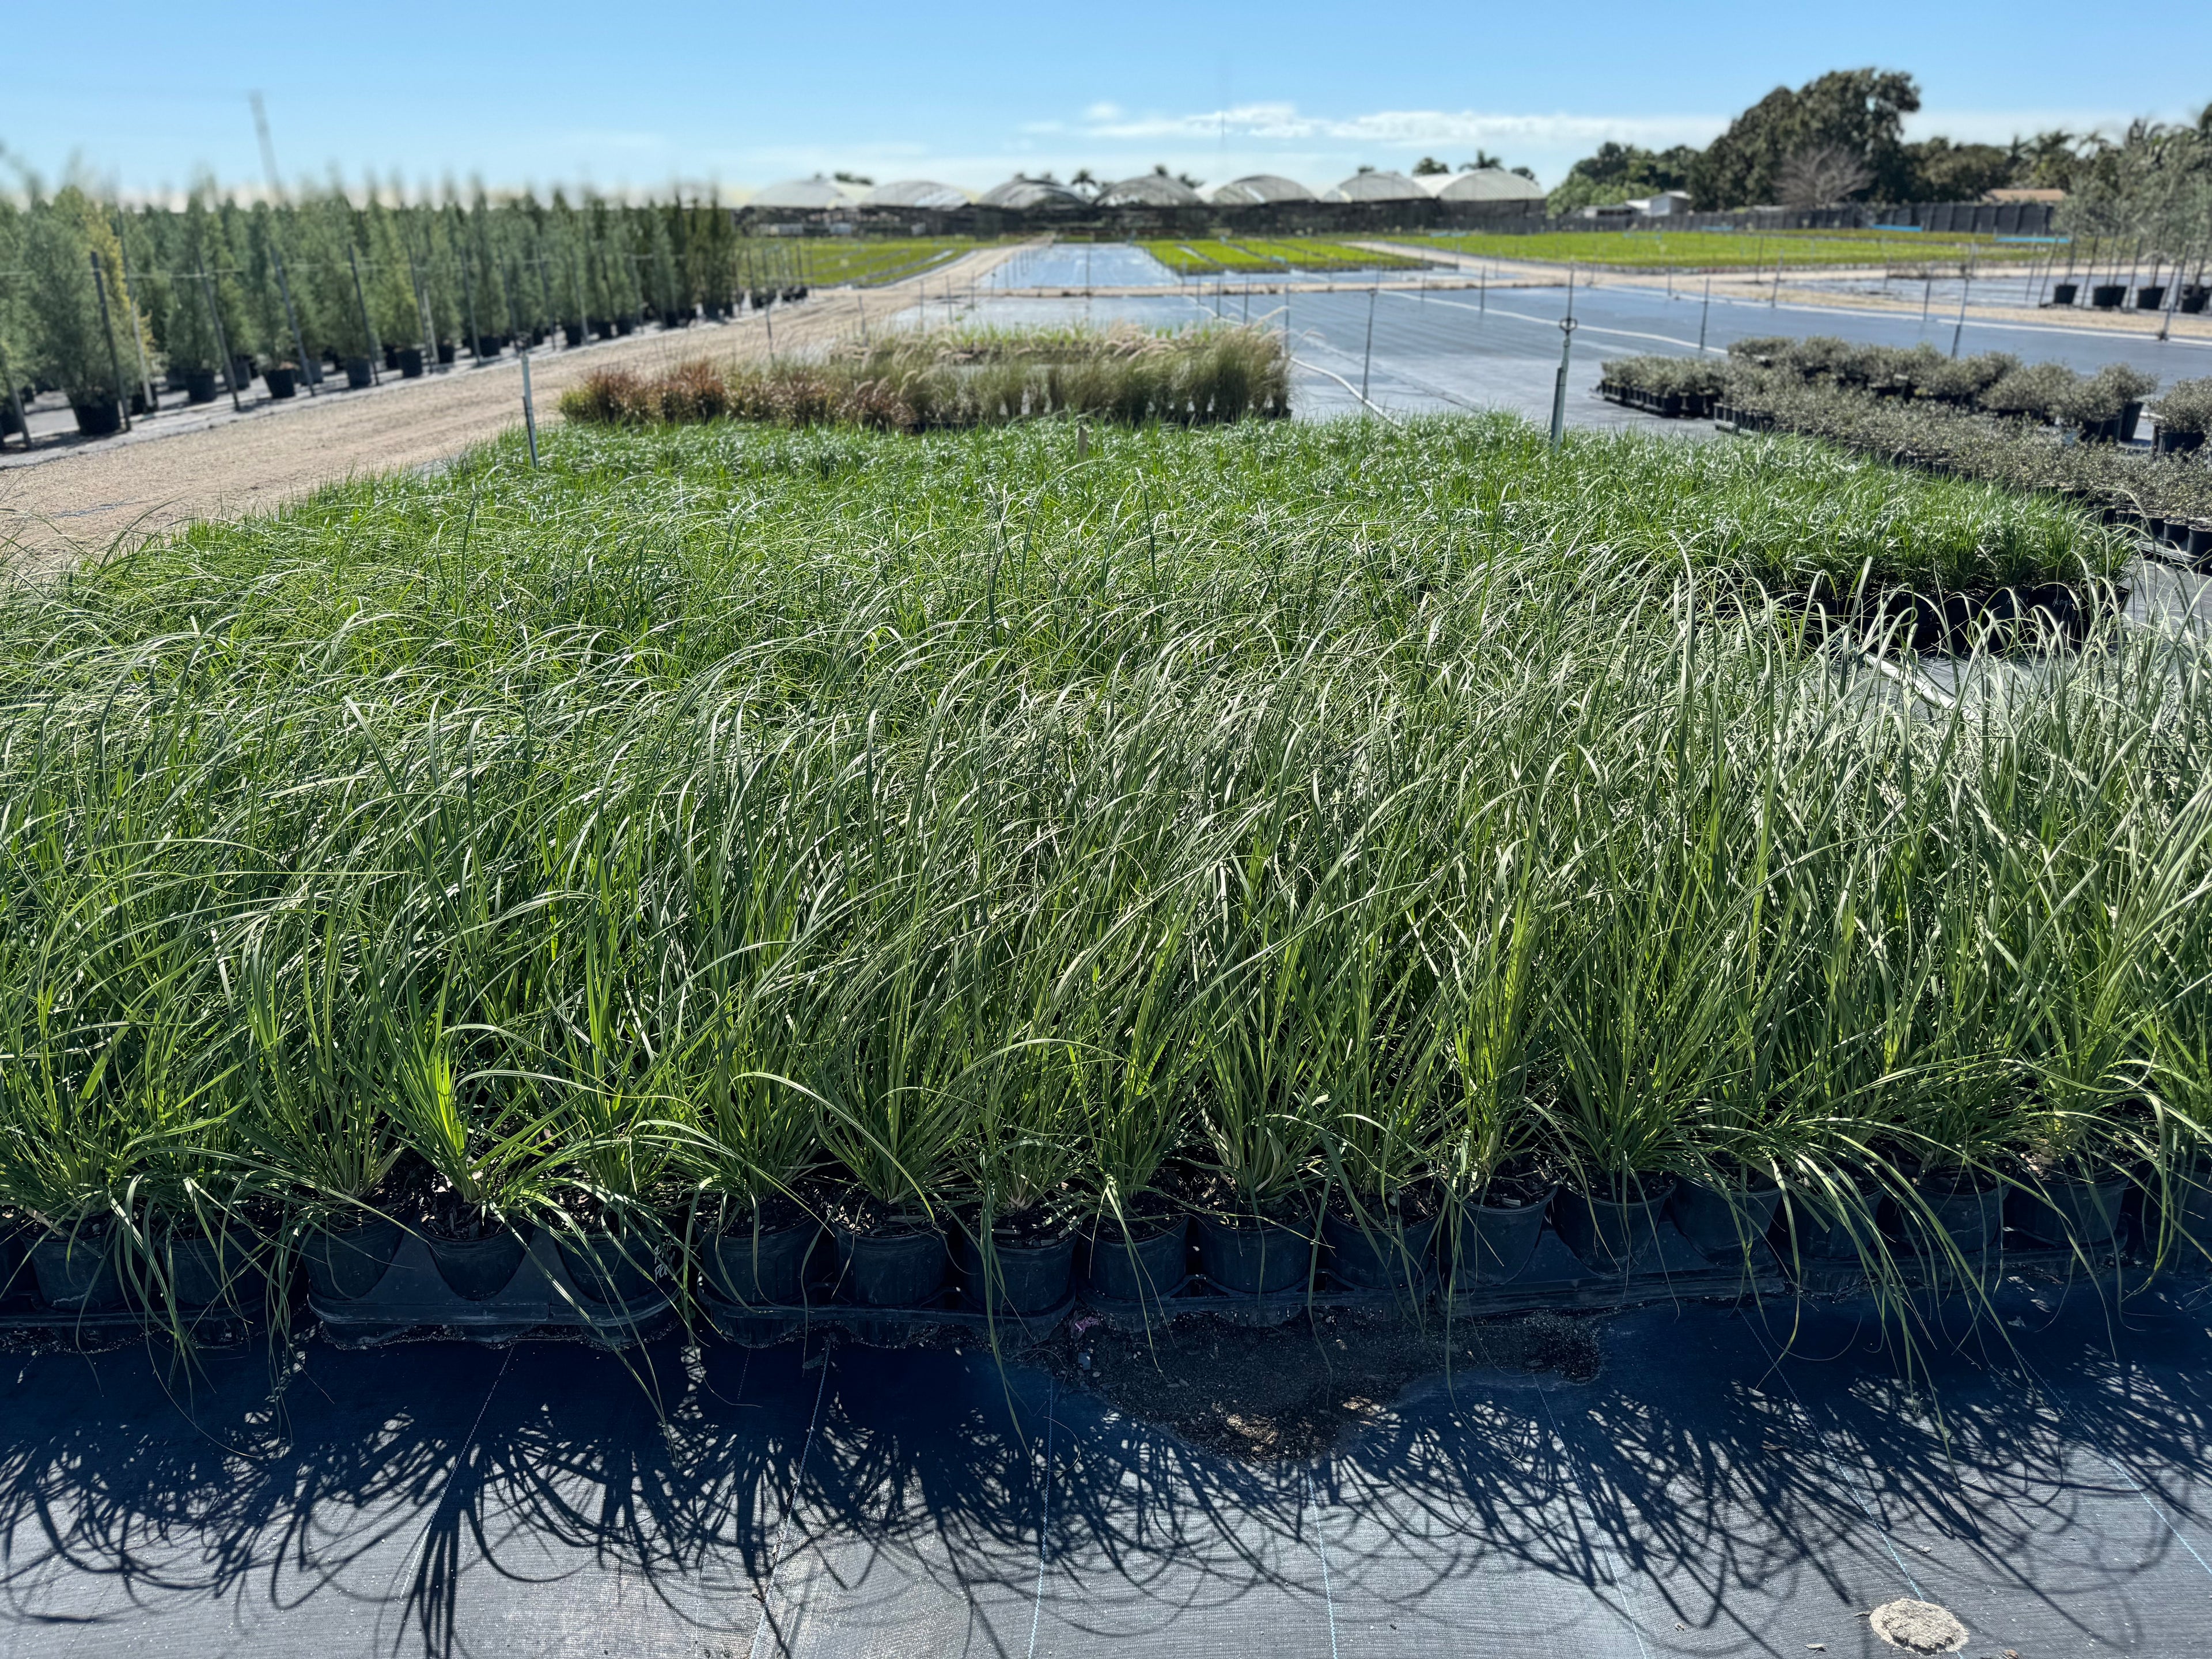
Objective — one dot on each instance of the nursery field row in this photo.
(2032, 427)
(1199, 257)
(727, 829)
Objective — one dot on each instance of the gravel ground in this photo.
(67, 503)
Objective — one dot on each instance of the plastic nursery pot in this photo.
(15, 1262)
(477, 1269)
(1497, 1238)
(283, 382)
(1378, 1257)
(1022, 1276)
(2187, 1209)
(1143, 1267)
(199, 386)
(2150, 297)
(763, 1268)
(612, 1269)
(98, 420)
(445, 350)
(2064, 294)
(1967, 1216)
(410, 362)
(1817, 1233)
(572, 334)
(1610, 1235)
(390, 356)
(75, 1272)
(203, 1271)
(344, 1264)
(2061, 1213)
(2108, 296)
(358, 373)
(1722, 1221)
(900, 1268)
(1255, 1257)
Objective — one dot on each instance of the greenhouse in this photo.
(1257, 188)
(915, 193)
(1376, 187)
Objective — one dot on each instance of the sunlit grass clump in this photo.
(1266, 819)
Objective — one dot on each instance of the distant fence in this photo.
(1078, 221)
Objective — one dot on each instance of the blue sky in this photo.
(617, 95)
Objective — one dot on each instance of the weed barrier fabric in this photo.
(1699, 1496)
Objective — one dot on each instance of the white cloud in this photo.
(1103, 112)
(1282, 123)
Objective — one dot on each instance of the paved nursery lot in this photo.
(1700, 1496)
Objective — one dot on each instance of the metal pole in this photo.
(1560, 387)
(368, 328)
(1705, 311)
(1926, 294)
(1367, 360)
(299, 341)
(107, 327)
(529, 409)
(222, 341)
(1966, 282)
(131, 303)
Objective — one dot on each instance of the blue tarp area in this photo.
(1710, 1492)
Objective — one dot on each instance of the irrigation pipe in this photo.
(1913, 681)
(1316, 368)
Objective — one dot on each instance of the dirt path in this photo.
(69, 503)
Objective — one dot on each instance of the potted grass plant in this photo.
(747, 1140)
(1490, 1151)
(1254, 1109)
(1017, 1238)
(891, 1099)
(2104, 407)
(484, 1138)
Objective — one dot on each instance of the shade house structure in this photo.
(804, 195)
(1256, 189)
(1020, 194)
(1376, 187)
(1154, 189)
(1487, 184)
(915, 193)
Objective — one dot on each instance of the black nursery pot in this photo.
(1496, 1241)
(410, 362)
(281, 383)
(1140, 1269)
(764, 1268)
(99, 420)
(574, 334)
(1613, 1235)
(612, 1268)
(358, 373)
(344, 1264)
(1254, 1256)
(2066, 1212)
(902, 1269)
(199, 386)
(203, 1271)
(477, 1269)
(1969, 1218)
(1722, 1222)
(1022, 1278)
(2064, 294)
(75, 1272)
(446, 349)
(2109, 296)
(1383, 1259)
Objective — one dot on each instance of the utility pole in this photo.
(368, 328)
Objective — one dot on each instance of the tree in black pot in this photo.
(72, 345)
